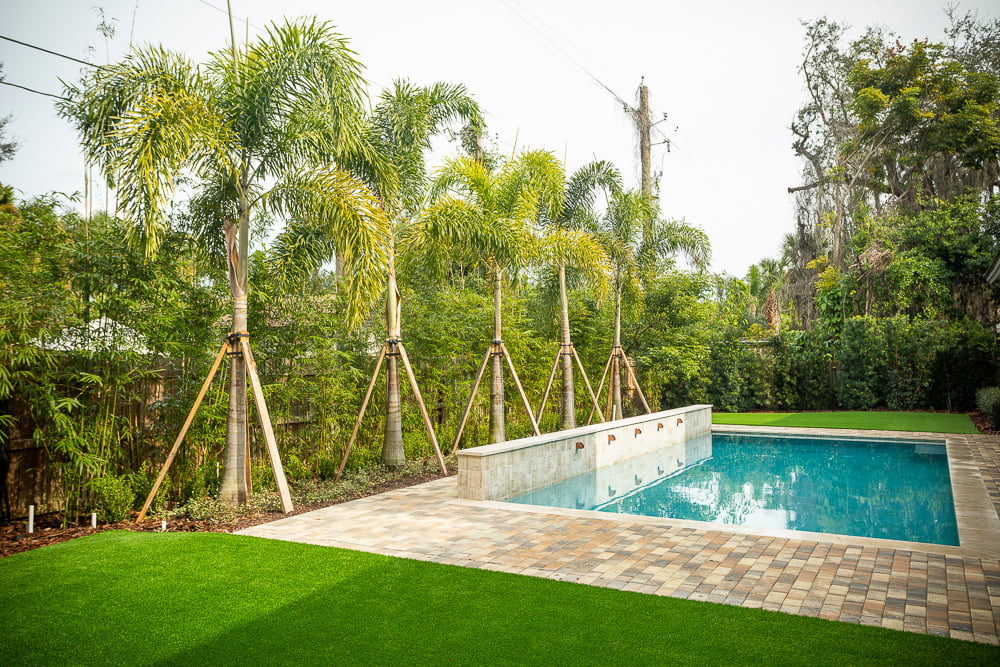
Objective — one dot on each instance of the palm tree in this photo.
(261, 129)
(636, 240)
(486, 215)
(405, 121)
(401, 127)
(568, 243)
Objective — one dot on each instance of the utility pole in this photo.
(643, 126)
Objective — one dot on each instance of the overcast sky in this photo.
(725, 72)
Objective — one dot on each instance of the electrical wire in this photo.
(520, 9)
(54, 53)
(223, 11)
(531, 30)
(32, 90)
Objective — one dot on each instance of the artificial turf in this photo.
(932, 422)
(206, 598)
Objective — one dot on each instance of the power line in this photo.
(518, 7)
(549, 44)
(54, 53)
(220, 9)
(32, 90)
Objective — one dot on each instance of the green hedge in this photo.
(898, 363)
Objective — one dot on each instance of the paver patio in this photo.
(951, 591)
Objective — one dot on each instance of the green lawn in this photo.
(933, 422)
(205, 598)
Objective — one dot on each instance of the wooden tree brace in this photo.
(548, 385)
(472, 397)
(520, 389)
(265, 423)
(420, 404)
(637, 387)
(361, 413)
(600, 386)
(184, 430)
(586, 381)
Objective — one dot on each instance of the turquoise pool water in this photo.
(889, 489)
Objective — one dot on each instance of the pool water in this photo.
(888, 489)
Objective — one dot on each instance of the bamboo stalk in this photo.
(548, 387)
(520, 389)
(472, 397)
(600, 386)
(586, 381)
(184, 430)
(361, 413)
(420, 404)
(265, 424)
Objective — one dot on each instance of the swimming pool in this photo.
(887, 489)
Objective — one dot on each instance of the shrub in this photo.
(142, 482)
(296, 470)
(988, 403)
(966, 359)
(741, 376)
(803, 377)
(860, 365)
(115, 497)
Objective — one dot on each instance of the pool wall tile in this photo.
(518, 466)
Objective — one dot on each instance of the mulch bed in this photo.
(982, 423)
(49, 530)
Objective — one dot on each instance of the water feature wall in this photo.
(496, 472)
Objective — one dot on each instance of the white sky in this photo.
(724, 71)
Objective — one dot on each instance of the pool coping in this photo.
(916, 587)
(978, 523)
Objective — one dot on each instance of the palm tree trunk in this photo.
(497, 433)
(616, 371)
(568, 395)
(393, 454)
(233, 486)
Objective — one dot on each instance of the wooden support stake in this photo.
(420, 404)
(472, 397)
(247, 468)
(599, 387)
(586, 381)
(184, 430)
(265, 424)
(548, 387)
(520, 389)
(361, 413)
(609, 406)
(637, 387)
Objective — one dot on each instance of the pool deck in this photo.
(941, 590)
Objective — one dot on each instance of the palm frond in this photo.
(578, 250)
(330, 203)
(581, 190)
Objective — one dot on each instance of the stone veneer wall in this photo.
(495, 472)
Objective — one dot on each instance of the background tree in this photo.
(264, 128)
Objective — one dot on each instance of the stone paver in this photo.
(950, 591)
